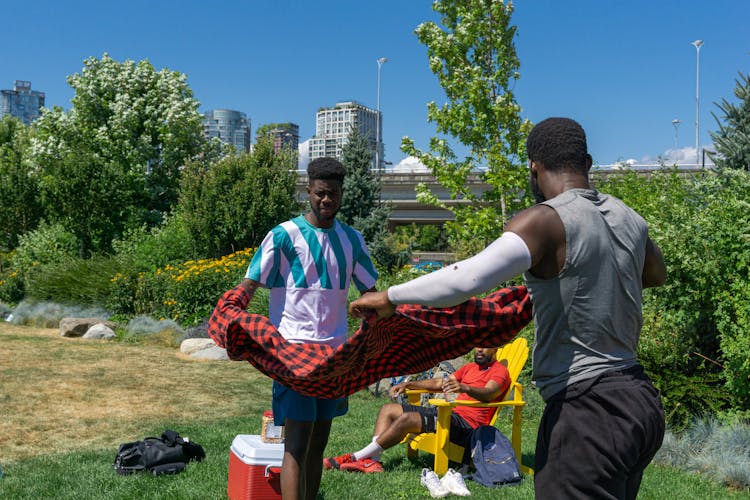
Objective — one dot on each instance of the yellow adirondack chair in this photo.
(438, 443)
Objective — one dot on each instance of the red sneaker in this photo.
(366, 465)
(336, 462)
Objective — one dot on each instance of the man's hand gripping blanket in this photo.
(413, 340)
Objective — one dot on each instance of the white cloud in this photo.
(410, 164)
(303, 156)
(682, 156)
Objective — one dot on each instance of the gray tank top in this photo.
(588, 318)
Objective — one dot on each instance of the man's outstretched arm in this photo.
(430, 384)
(250, 286)
(502, 260)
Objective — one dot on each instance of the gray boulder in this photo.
(203, 349)
(77, 327)
(99, 331)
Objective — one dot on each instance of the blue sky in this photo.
(624, 70)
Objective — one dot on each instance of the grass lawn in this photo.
(67, 404)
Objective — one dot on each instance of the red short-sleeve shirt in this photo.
(471, 374)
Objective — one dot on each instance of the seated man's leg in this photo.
(460, 434)
(395, 422)
(387, 414)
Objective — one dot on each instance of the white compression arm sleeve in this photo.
(505, 258)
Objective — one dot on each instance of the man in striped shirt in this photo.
(308, 263)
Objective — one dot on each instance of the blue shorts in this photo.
(290, 404)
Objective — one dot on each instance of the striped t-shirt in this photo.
(309, 270)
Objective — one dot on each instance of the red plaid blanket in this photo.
(414, 339)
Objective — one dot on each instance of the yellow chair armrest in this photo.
(442, 403)
(517, 400)
(415, 396)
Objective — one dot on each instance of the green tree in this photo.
(361, 185)
(20, 211)
(230, 204)
(474, 58)
(361, 206)
(113, 160)
(732, 141)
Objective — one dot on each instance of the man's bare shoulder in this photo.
(535, 218)
(544, 234)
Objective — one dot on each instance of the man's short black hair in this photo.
(326, 169)
(558, 143)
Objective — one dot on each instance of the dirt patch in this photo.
(69, 393)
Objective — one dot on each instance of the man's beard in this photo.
(481, 359)
(324, 218)
(535, 191)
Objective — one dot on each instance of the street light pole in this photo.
(697, 44)
(676, 122)
(381, 61)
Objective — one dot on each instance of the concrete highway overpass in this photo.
(398, 189)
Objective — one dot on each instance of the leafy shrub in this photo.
(11, 285)
(733, 321)
(696, 328)
(685, 396)
(185, 292)
(46, 244)
(144, 249)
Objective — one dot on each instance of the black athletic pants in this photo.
(597, 436)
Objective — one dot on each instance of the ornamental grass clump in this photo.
(149, 330)
(49, 314)
(721, 452)
(145, 325)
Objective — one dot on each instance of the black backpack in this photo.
(167, 454)
(494, 458)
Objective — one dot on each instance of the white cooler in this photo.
(254, 468)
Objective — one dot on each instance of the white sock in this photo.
(372, 450)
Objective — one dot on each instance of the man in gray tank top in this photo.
(586, 258)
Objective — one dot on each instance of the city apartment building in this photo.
(285, 136)
(21, 102)
(333, 125)
(229, 126)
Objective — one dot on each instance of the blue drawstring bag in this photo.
(494, 458)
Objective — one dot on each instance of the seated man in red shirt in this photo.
(483, 380)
